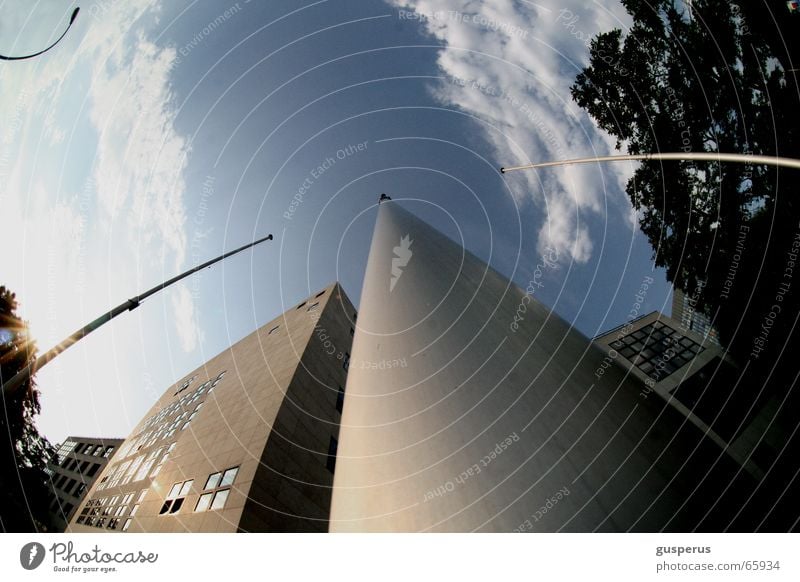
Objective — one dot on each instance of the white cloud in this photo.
(511, 64)
(184, 316)
(136, 185)
(93, 196)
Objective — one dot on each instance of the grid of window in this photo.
(657, 349)
(176, 496)
(160, 426)
(109, 512)
(216, 490)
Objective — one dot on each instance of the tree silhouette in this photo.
(704, 83)
(23, 451)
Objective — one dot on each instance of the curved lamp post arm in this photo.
(686, 156)
(71, 20)
(23, 375)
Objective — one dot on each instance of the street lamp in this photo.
(71, 20)
(685, 156)
(23, 375)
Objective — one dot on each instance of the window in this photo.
(216, 490)
(274, 329)
(127, 524)
(312, 307)
(108, 452)
(340, 399)
(352, 331)
(346, 362)
(80, 489)
(332, 446)
(97, 450)
(320, 294)
(93, 470)
(175, 498)
(301, 305)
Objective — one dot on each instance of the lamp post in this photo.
(71, 20)
(23, 375)
(671, 156)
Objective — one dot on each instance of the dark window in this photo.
(84, 466)
(332, 447)
(346, 362)
(175, 498)
(93, 470)
(352, 331)
(301, 305)
(70, 485)
(320, 294)
(67, 509)
(340, 399)
(80, 489)
(274, 329)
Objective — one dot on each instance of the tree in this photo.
(23, 451)
(705, 82)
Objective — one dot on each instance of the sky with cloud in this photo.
(158, 135)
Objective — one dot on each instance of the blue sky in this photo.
(158, 135)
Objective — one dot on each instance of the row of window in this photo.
(147, 438)
(86, 468)
(66, 484)
(133, 470)
(108, 512)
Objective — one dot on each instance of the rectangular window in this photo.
(213, 481)
(204, 502)
(228, 476)
(93, 470)
(127, 524)
(340, 399)
(220, 497)
(332, 447)
(346, 362)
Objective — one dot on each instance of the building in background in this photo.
(77, 464)
(247, 442)
(473, 407)
(683, 311)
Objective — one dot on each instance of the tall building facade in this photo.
(247, 442)
(77, 464)
(472, 407)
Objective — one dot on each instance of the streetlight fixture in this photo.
(24, 375)
(71, 20)
(683, 156)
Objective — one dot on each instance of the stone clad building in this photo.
(247, 442)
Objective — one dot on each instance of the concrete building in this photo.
(74, 469)
(472, 407)
(247, 442)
